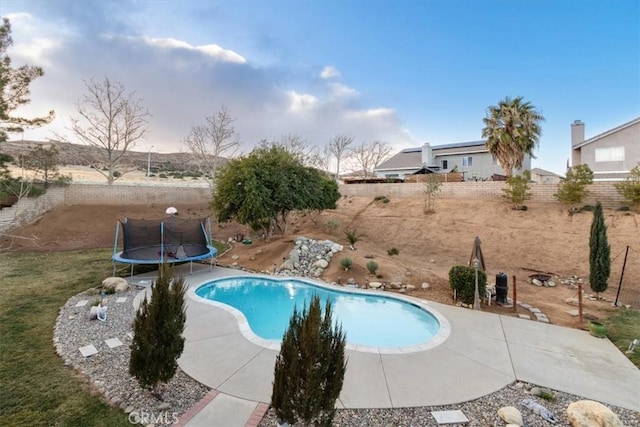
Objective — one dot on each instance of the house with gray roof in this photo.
(611, 154)
(544, 176)
(469, 158)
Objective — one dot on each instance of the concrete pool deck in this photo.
(483, 353)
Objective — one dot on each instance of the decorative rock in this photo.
(587, 413)
(524, 316)
(536, 282)
(321, 263)
(410, 288)
(425, 285)
(551, 284)
(511, 415)
(252, 258)
(369, 256)
(234, 264)
(351, 281)
(395, 285)
(234, 257)
(375, 285)
(573, 313)
(402, 291)
(117, 284)
(164, 406)
(432, 260)
(536, 391)
(259, 251)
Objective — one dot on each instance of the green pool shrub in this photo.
(393, 251)
(309, 370)
(462, 280)
(372, 266)
(332, 225)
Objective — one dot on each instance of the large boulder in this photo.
(321, 263)
(116, 284)
(587, 413)
(511, 415)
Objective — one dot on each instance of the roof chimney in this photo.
(427, 156)
(577, 133)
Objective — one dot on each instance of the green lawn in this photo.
(623, 326)
(36, 389)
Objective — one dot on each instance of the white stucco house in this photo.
(470, 158)
(611, 154)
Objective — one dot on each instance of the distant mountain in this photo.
(83, 155)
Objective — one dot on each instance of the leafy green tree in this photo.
(463, 280)
(517, 189)
(309, 370)
(572, 190)
(512, 129)
(599, 252)
(14, 88)
(14, 93)
(158, 342)
(44, 162)
(630, 188)
(264, 187)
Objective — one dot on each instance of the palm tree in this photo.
(512, 129)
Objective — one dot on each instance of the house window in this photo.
(467, 162)
(445, 164)
(391, 175)
(610, 154)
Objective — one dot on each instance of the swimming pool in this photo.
(369, 320)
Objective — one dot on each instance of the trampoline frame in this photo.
(164, 256)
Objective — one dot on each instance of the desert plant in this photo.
(332, 225)
(157, 341)
(573, 188)
(599, 252)
(352, 236)
(393, 251)
(309, 370)
(346, 263)
(517, 189)
(372, 266)
(432, 187)
(462, 280)
(378, 198)
(629, 189)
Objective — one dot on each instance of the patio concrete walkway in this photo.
(483, 353)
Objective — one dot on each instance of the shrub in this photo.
(309, 370)
(117, 174)
(332, 225)
(377, 198)
(573, 188)
(372, 266)
(163, 175)
(346, 263)
(393, 251)
(517, 189)
(158, 342)
(462, 280)
(352, 236)
(629, 189)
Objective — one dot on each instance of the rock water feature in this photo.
(309, 257)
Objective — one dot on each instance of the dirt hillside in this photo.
(544, 238)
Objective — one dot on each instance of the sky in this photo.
(403, 72)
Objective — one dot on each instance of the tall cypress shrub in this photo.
(157, 341)
(310, 368)
(599, 252)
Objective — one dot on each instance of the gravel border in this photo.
(108, 371)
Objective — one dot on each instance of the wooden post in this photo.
(515, 301)
(580, 302)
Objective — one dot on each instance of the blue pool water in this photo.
(375, 321)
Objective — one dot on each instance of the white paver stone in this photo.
(535, 310)
(82, 303)
(121, 299)
(573, 313)
(113, 342)
(450, 417)
(524, 316)
(88, 350)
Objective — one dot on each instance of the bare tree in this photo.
(338, 148)
(320, 158)
(111, 121)
(368, 155)
(295, 145)
(208, 142)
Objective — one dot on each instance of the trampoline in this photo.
(168, 240)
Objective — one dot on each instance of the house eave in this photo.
(607, 133)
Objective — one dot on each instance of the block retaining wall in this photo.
(28, 210)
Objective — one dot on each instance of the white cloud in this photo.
(299, 102)
(372, 113)
(211, 50)
(340, 90)
(329, 72)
